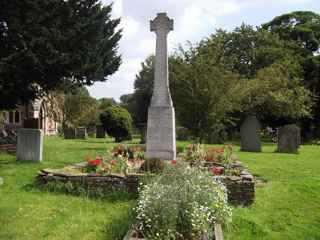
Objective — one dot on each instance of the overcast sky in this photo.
(193, 20)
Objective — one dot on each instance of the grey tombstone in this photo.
(69, 133)
(81, 133)
(250, 134)
(30, 145)
(289, 139)
(100, 132)
(161, 139)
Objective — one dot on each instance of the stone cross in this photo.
(161, 142)
(161, 25)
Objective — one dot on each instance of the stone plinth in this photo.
(161, 140)
(161, 118)
(250, 135)
(289, 139)
(30, 145)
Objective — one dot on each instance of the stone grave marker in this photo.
(69, 133)
(81, 133)
(250, 134)
(100, 132)
(161, 139)
(30, 145)
(289, 139)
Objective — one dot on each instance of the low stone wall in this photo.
(129, 183)
(8, 148)
(241, 189)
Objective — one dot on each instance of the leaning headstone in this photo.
(250, 135)
(289, 139)
(69, 133)
(30, 145)
(100, 132)
(161, 133)
(81, 133)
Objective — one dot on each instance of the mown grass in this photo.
(28, 213)
(286, 207)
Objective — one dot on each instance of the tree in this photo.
(303, 27)
(300, 26)
(117, 122)
(138, 103)
(203, 91)
(46, 44)
(104, 103)
(79, 108)
(246, 50)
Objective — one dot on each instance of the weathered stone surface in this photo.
(30, 145)
(100, 132)
(289, 139)
(81, 133)
(161, 118)
(128, 183)
(250, 135)
(69, 133)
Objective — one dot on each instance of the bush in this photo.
(181, 203)
(117, 122)
(153, 165)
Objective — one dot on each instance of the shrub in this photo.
(117, 122)
(181, 203)
(153, 165)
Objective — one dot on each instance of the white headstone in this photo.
(161, 139)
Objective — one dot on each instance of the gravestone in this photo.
(100, 132)
(81, 133)
(183, 134)
(69, 133)
(161, 139)
(31, 123)
(250, 134)
(289, 139)
(30, 145)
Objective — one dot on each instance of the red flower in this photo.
(95, 162)
(217, 170)
(173, 162)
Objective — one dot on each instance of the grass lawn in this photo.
(287, 207)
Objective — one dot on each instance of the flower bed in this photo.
(226, 168)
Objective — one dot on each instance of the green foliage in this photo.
(49, 44)
(117, 122)
(79, 108)
(300, 26)
(275, 92)
(138, 102)
(246, 50)
(181, 203)
(152, 165)
(199, 81)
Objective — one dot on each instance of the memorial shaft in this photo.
(161, 118)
